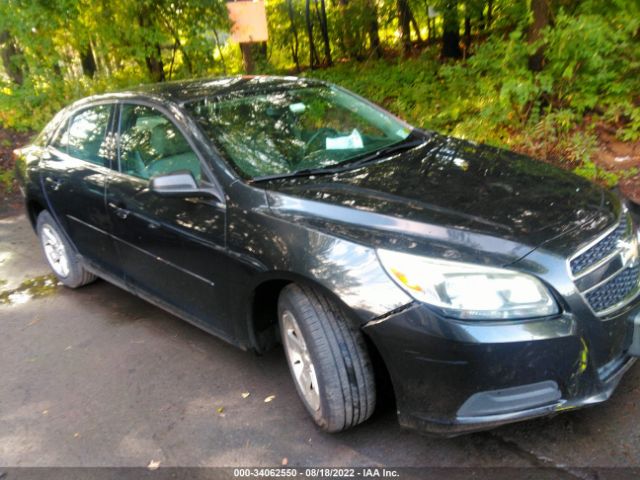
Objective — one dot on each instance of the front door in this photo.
(171, 248)
(74, 172)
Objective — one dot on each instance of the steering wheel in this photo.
(323, 130)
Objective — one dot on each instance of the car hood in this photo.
(460, 196)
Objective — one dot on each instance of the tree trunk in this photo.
(541, 19)
(345, 38)
(102, 64)
(173, 58)
(253, 54)
(467, 34)
(224, 66)
(451, 31)
(247, 58)
(404, 20)
(12, 59)
(313, 54)
(324, 30)
(177, 43)
(153, 56)
(294, 32)
(88, 61)
(185, 58)
(155, 65)
(374, 35)
(414, 24)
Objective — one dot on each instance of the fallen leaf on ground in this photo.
(245, 394)
(153, 464)
(220, 409)
(269, 398)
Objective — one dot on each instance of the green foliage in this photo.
(591, 68)
(590, 73)
(30, 107)
(593, 172)
(7, 178)
(122, 38)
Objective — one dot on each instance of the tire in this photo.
(60, 254)
(334, 356)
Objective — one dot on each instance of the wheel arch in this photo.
(34, 208)
(262, 321)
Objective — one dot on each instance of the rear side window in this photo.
(84, 137)
(150, 144)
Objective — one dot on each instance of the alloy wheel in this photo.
(304, 372)
(55, 251)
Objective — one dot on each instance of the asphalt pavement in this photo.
(99, 377)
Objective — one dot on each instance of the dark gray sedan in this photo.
(489, 287)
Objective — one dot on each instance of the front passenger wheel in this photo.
(327, 358)
(60, 254)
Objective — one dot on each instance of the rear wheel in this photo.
(60, 255)
(327, 358)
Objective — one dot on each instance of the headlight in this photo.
(469, 291)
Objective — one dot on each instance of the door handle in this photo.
(55, 183)
(120, 212)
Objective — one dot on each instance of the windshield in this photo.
(296, 129)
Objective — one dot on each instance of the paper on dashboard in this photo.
(348, 142)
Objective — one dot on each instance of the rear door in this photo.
(171, 248)
(74, 170)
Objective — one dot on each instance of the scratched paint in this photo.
(584, 357)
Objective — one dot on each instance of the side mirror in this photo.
(178, 184)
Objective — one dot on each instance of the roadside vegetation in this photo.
(557, 79)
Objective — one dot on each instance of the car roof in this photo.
(187, 90)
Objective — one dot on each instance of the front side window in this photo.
(293, 129)
(84, 137)
(150, 144)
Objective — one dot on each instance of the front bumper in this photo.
(452, 377)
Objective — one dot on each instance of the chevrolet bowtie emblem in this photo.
(629, 251)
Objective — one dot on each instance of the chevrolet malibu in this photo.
(488, 287)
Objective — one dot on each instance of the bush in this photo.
(591, 76)
(592, 69)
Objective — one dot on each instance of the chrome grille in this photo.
(607, 272)
(600, 250)
(615, 290)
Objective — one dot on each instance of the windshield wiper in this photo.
(349, 163)
(381, 153)
(298, 173)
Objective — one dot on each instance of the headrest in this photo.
(167, 141)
